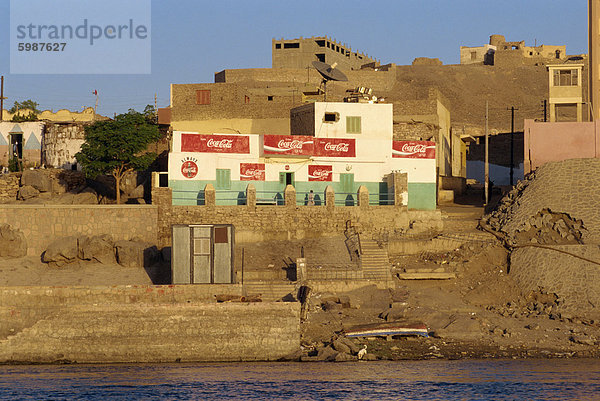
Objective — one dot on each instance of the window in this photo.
(246, 99)
(278, 45)
(223, 179)
(270, 98)
(353, 125)
(347, 182)
(473, 56)
(320, 57)
(203, 97)
(331, 117)
(291, 45)
(320, 43)
(565, 77)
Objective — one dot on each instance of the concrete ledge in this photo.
(426, 276)
(52, 206)
(134, 333)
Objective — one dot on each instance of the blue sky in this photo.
(193, 39)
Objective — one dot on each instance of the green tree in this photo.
(19, 118)
(151, 114)
(26, 104)
(118, 146)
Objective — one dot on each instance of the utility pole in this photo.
(2, 99)
(512, 143)
(487, 161)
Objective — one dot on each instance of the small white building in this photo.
(342, 145)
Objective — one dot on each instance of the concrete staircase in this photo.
(375, 261)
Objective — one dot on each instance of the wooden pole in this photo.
(2, 99)
(487, 161)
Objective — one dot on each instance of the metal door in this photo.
(201, 254)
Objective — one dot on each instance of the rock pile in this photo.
(338, 349)
(55, 186)
(554, 205)
(12, 242)
(539, 303)
(100, 249)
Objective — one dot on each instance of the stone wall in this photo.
(9, 186)
(573, 279)
(290, 222)
(61, 143)
(142, 324)
(42, 224)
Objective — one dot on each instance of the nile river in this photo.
(574, 379)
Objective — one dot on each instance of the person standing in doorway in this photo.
(311, 198)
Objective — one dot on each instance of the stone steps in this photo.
(374, 261)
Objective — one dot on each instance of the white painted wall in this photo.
(366, 167)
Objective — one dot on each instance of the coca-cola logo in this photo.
(295, 144)
(414, 148)
(189, 169)
(320, 173)
(253, 172)
(339, 147)
(223, 143)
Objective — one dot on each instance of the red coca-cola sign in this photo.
(335, 147)
(320, 173)
(288, 145)
(413, 149)
(189, 168)
(215, 143)
(252, 171)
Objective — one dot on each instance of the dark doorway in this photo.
(16, 146)
(289, 179)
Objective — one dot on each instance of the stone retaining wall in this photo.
(572, 279)
(291, 222)
(42, 224)
(142, 324)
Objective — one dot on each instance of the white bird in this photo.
(362, 352)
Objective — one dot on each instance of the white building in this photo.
(342, 145)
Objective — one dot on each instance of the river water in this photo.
(574, 379)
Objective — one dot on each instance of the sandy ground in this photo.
(30, 271)
(480, 314)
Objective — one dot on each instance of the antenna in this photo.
(329, 73)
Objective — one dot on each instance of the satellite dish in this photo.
(329, 73)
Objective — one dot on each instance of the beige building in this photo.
(301, 52)
(565, 89)
(477, 55)
(230, 108)
(499, 52)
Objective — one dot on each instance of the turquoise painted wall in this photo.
(422, 196)
(192, 192)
